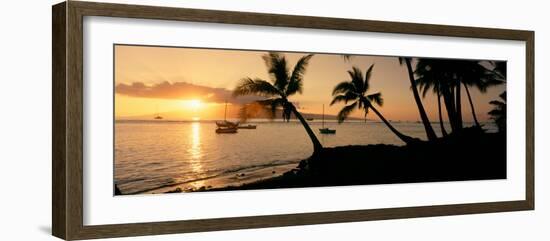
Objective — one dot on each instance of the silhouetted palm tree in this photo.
(282, 85)
(498, 113)
(441, 124)
(430, 133)
(425, 84)
(499, 68)
(347, 57)
(433, 73)
(356, 90)
(475, 74)
(451, 76)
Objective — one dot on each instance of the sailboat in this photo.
(326, 130)
(226, 123)
(226, 126)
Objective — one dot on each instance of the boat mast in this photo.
(225, 112)
(323, 116)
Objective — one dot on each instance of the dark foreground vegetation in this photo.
(472, 155)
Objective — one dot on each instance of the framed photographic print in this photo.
(159, 113)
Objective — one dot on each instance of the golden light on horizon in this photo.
(194, 104)
(200, 90)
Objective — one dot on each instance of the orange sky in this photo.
(192, 83)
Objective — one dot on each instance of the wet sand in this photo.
(238, 179)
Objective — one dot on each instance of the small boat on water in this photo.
(226, 130)
(246, 126)
(309, 119)
(157, 116)
(326, 130)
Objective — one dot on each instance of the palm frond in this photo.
(503, 95)
(278, 69)
(344, 112)
(249, 86)
(367, 79)
(295, 83)
(495, 112)
(423, 85)
(295, 87)
(376, 98)
(499, 68)
(491, 81)
(344, 87)
(347, 97)
(475, 73)
(497, 103)
(436, 74)
(498, 113)
(347, 57)
(356, 78)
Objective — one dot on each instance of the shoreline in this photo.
(473, 155)
(244, 177)
(470, 155)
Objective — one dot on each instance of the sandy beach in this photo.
(241, 178)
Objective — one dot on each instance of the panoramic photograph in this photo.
(198, 120)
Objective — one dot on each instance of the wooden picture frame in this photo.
(67, 123)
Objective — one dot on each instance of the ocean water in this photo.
(150, 155)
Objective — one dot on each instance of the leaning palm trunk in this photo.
(430, 133)
(448, 99)
(404, 138)
(443, 131)
(458, 105)
(317, 147)
(471, 105)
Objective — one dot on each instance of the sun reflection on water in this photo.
(196, 152)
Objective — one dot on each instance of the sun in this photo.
(194, 104)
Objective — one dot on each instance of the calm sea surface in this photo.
(154, 154)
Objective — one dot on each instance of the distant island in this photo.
(233, 113)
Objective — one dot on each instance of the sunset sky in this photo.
(190, 83)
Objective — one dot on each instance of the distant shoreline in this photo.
(280, 120)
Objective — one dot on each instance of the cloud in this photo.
(181, 91)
